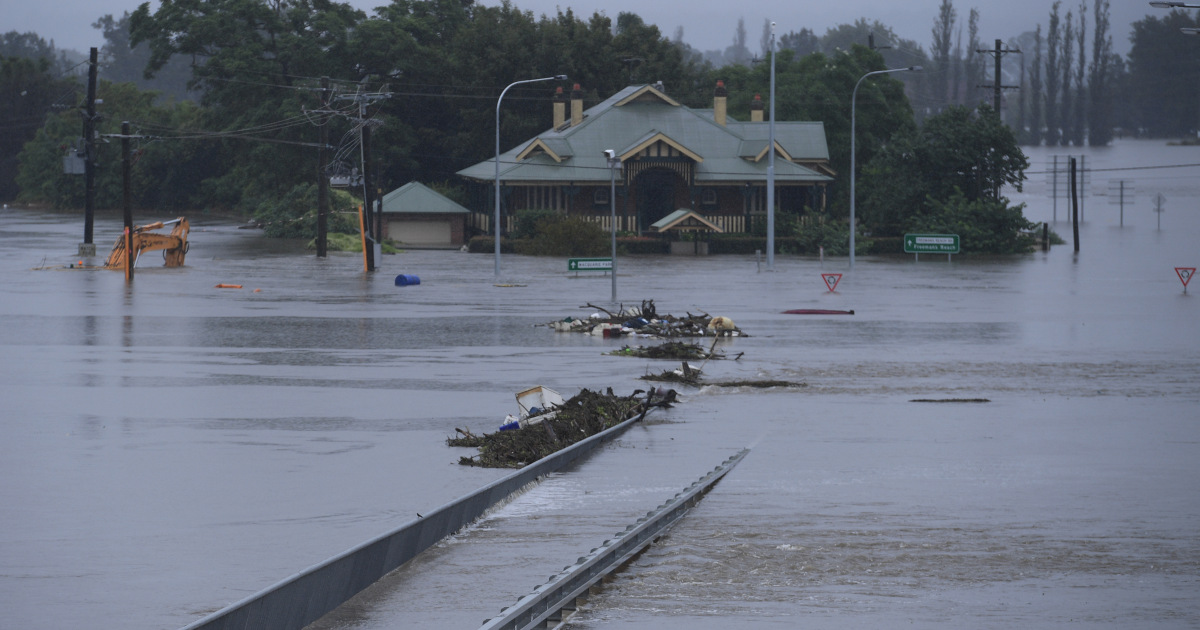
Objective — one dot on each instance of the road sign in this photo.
(589, 264)
(1185, 275)
(831, 280)
(930, 243)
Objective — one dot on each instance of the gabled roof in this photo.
(640, 116)
(416, 198)
(684, 220)
(654, 136)
(557, 148)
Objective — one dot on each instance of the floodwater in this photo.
(171, 447)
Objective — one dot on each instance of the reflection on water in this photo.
(171, 447)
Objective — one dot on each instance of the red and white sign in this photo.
(1185, 275)
(832, 279)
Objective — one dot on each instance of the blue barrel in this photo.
(405, 279)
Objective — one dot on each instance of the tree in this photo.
(1034, 135)
(943, 30)
(167, 174)
(1079, 117)
(804, 42)
(1050, 110)
(960, 156)
(1100, 121)
(29, 93)
(973, 64)
(121, 62)
(1164, 74)
(738, 53)
(1068, 52)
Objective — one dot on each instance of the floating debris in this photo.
(645, 321)
(580, 417)
(951, 400)
(670, 350)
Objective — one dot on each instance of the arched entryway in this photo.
(656, 194)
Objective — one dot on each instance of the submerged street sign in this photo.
(831, 280)
(1185, 275)
(589, 264)
(930, 243)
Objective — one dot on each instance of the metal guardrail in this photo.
(307, 596)
(549, 603)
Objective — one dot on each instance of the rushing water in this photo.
(171, 447)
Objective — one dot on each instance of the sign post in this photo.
(1185, 275)
(931, 244)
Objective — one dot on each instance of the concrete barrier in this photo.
(307, 596)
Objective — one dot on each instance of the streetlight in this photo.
(614, 165)
(771, 165)
(496, 227)
(1174, 5)
(854, 96)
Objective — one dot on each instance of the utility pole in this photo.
(996, 86)
(374, 221)
(322, 176)
(126, 206)
(88, 247)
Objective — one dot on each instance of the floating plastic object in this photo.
(227, 286)
(404, 280)
(536, 404)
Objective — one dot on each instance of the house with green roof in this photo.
(673, 157)
(415, 216)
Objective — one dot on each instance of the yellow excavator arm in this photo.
(174, 245)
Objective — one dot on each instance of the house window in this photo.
(600, 196)
(708, 197)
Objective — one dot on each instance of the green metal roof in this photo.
(611, 126)
(416, 198)
(684, 220)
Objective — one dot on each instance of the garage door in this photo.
(420, 232)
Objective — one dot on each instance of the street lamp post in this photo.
(496, 226)
(771, 165)
(614, 165)
(853, 98)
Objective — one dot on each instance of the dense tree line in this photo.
(436, 67)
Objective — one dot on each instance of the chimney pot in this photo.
(720, 104)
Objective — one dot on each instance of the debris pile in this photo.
(677, 350)
(645, 321)
(580, 417)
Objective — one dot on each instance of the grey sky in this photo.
(707, 24)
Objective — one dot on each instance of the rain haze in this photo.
(706, 25)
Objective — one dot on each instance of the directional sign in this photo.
(589, 264)
(930, 243)
(1185, 275)
(831, 280)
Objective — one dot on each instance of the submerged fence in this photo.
(307, 596)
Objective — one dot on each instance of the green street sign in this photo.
(930, 243)
(589, 264)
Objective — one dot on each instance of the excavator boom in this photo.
(174, 245)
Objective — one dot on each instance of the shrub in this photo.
(295, 214)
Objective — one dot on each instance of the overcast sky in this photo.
(707, 24)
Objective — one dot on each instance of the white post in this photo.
(496, 226)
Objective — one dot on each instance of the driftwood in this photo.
(582, 416)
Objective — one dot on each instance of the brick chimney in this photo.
(719, 104)
(756, 109)
(560, 107)
(576, 105)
